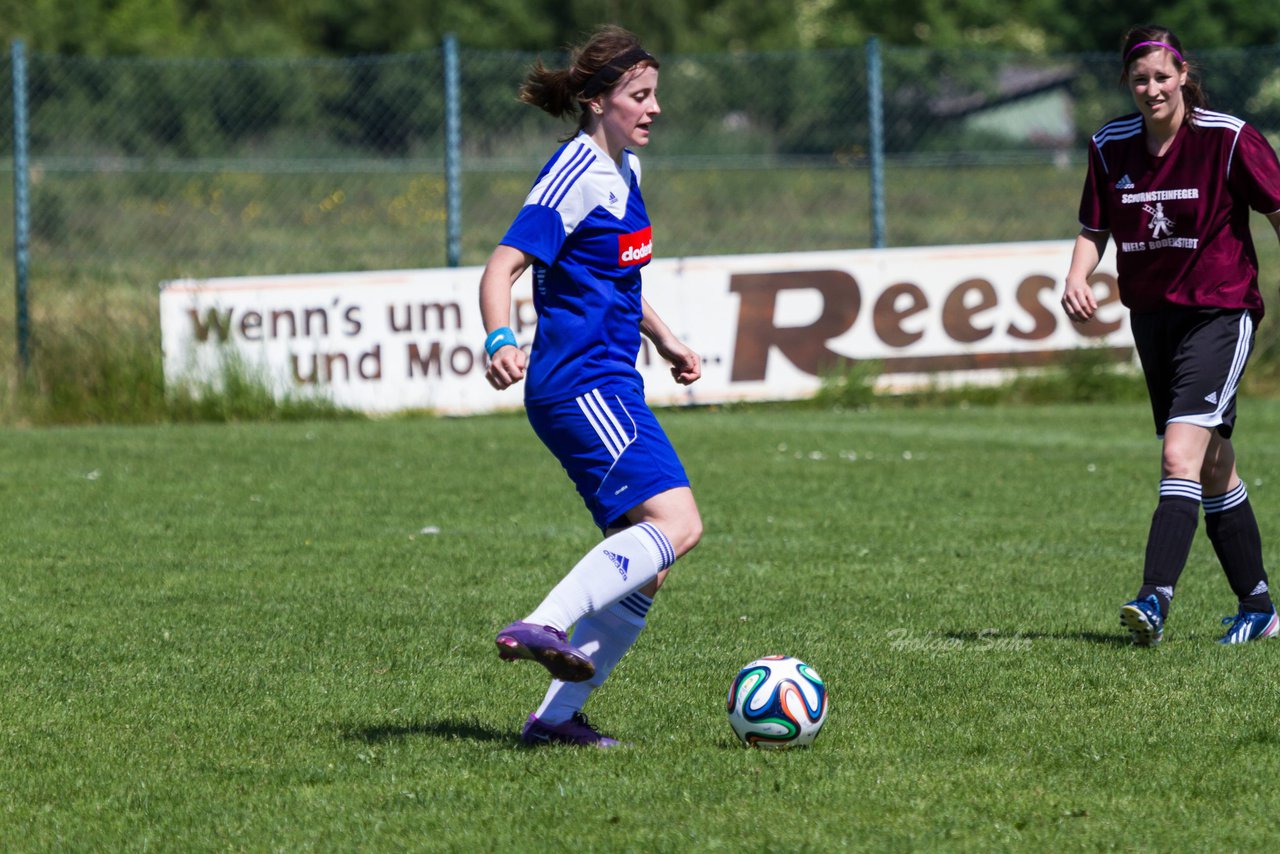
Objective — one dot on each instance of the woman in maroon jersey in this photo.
(1173, 184)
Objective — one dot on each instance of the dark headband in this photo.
(613, 69)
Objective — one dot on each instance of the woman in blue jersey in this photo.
(584, 230)
(1173, 185)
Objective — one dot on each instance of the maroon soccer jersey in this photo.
(1181, 222)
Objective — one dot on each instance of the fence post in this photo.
(875, 145)
(21, 202)
(452, 152)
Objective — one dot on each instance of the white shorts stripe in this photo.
(1232, 385)
(608, 413)
(1241, 357)
(609, 440)
(605, 423)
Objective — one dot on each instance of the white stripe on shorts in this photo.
(605, 423)
(1214, 418)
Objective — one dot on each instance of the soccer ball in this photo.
(777, 702)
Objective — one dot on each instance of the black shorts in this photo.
(1193, 359)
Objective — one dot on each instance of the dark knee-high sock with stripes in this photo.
(1233, 530)
(1173, 527)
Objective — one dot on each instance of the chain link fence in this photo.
(145, 170)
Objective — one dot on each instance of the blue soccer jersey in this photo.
(585, 223)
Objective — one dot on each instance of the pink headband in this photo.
(1173, 50)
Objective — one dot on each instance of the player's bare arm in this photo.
(505, 266)
(686, 365)
(1078, 300)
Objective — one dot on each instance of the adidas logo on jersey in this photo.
(1125, 183)
(1212, 397)
(635, 248)
(620, 563)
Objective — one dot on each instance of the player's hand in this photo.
(1079, 302)
(686, 365)
(506, 367)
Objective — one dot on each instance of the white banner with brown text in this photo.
(768, 327)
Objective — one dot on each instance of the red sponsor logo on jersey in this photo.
(636, 247)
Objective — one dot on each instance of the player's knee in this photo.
(675, 514)
(1219, 468)
(690, 535)
(1179, 462)
(1216, 477)
(683, 531)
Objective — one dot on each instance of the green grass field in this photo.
(278, 637)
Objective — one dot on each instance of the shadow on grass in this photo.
(379, 733)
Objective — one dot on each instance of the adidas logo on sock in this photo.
(620, 563)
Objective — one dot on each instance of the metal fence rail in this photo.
(145, 170)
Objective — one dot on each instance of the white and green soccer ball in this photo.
(777, 702)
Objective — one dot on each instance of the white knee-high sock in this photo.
(616, 567)
(605, 636)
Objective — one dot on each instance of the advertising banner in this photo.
(768, 327)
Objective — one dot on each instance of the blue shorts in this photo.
(612, 448)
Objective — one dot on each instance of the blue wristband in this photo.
(498, 339)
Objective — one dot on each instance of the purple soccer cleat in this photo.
(577, 731)
(547, 646)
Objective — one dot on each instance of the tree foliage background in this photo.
(297, 28)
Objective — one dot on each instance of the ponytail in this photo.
(550, 89)
(594, 69)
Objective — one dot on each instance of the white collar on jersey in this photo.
(624, 168)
